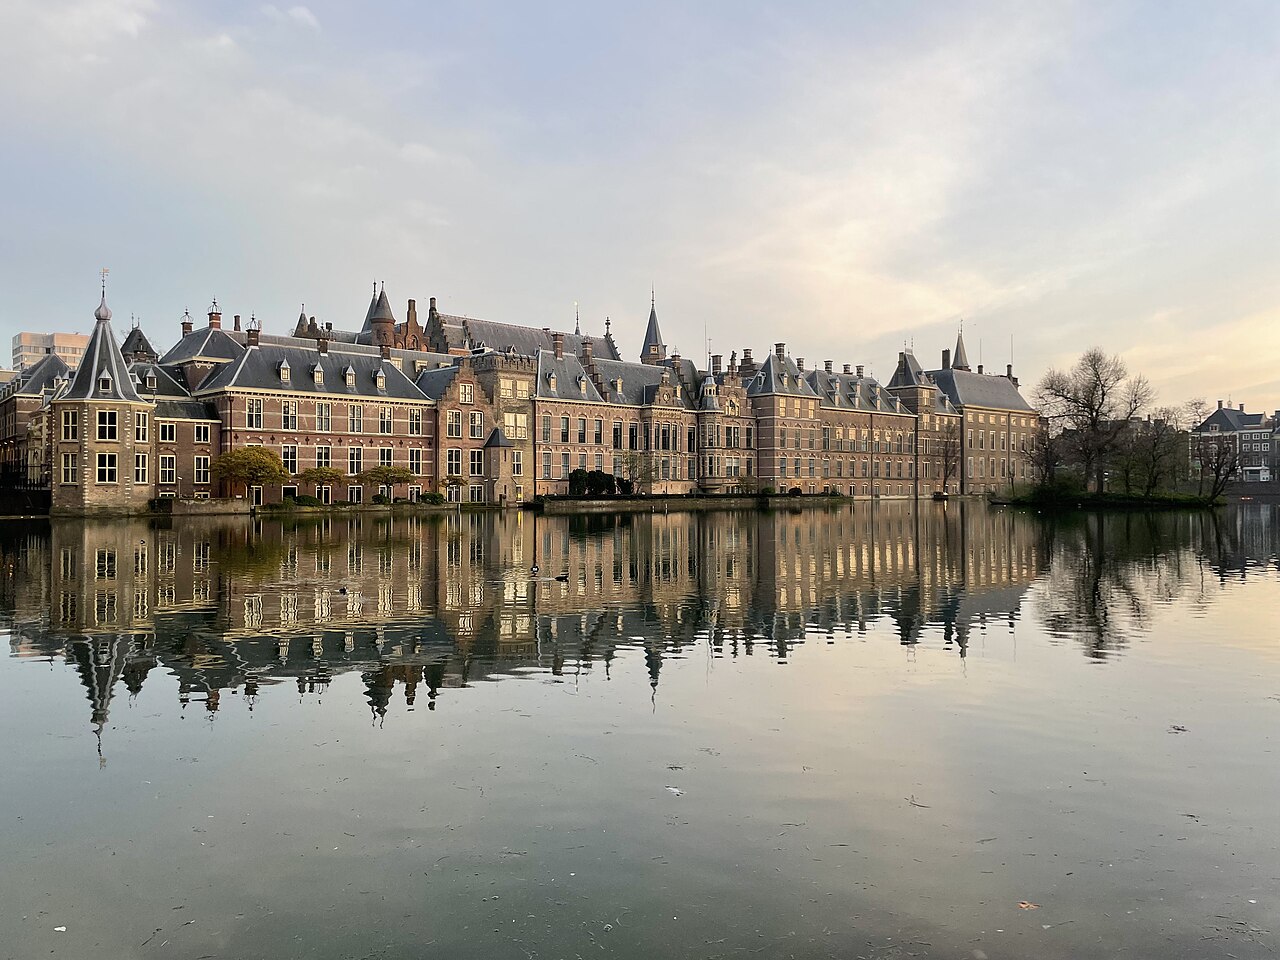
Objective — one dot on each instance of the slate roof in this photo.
(652, 335)
(640, 382)
(498, 439)
(166, 384)
(435, 383)
(468, 333)
(961, 358)
(1229, 419)
(38, 377)
(258, 368)
(966, 389)
(207, 343)
(102, 357)
(848, 391)
(908, 373)
(779, 375)
(136, 342)
(572, 382)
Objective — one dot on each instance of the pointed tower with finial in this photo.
(654, 351)
(961, 359)
(382, 322)
(101, 432)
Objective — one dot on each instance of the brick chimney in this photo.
(1219, 404)
(215, 317)
(780, 350)
(236, 323)
(557, 343)
(858, 368)
(1241, 405)
(588, 352)
(322, 346)
(979, 368)
(716, 360)
(800, 364)
(1008, 370)
(411, 313)
(946, 359)
(848, 369)
(827, 365)
(386, 351)
(747, 369)
(187, 325)
(252, 334)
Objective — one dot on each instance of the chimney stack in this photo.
(411, 313)
(1242, 408)
(859, 369)
(322, 345)
(848, 369)
(236, 324)
(979, 368)
(386, 351)
(1219, 404)
(780, 350)
(827, 365)
(252, 334)
(557, 342)
(716, 360)
(946, 359)
(1008, 370)
(800, 364)
(588, 352)
(186, 328)
(215, 317)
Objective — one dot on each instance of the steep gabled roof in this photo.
(102, 366)
(136, 344)
(208, 343)
(966, 389)
(513, 338)
(435, 383)
(571, 380)
(40, 376)
(259, 368)
(779, 375)
(908, 373)
(640, 382)
(961, 359)
(166, 384)
(848, 391)
(652, 334)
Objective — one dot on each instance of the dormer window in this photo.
(349, 376)
(582, 383)
(284, 371)
(381, 379)
(317, 373)
(617, 384)
(151, 382)
(104, 383)
(551, 382)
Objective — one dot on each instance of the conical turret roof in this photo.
(653, 335)
(137, 346)
(102, 374)
(381, 309)
(961, 359)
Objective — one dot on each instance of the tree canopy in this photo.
(251, 466)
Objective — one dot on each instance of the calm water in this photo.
(868, 732)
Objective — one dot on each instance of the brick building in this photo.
(495, 413)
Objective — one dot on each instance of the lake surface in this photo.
(869, 731)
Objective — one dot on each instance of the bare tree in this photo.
(1046, 453)
(1091, 405)
(1160, 449)
(949, 452)
(1194, 413)
(1219, 459)
(640, 470)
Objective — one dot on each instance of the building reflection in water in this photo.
(424, 603)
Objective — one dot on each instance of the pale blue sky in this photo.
(840, 176)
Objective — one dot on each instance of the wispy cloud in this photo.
(298, 14)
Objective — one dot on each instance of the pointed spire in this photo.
(961, 359)
(653, 349)
(382, 308)
(577, 323)
(102, 374)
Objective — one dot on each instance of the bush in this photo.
(601, 484)
(379, 500)
(341, 503)
(303, 500)
(625, 487)
(767, 491)
(434, 498)
(578, 483)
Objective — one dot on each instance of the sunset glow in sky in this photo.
(845, 177)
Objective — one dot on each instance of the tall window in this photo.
(355, 460)
(355, 418)
(202, 469)
(385, 455)
(546, 464)
(324, 456)
(324, 416)
(617, 434)
(141, 427)
(289, 415)
(505, 389)
(415, 460)
(453, 462)
(453, 423)
(168, 432)
(466, 393)
(415, 422)
(107, 468)
(253, 415)
(477, 425)
(70, 468)
(477, 463)
(517, 463)
(384, 420)
(582, 429)
(140, 468)
(70, 425)
(107, 425)
(564, 429)
(546, 428)
(202, 433)
(168, 468)
(599, 431)
(289, 457)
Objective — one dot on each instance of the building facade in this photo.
(485, 412)
(30, 348)
(1252, 438)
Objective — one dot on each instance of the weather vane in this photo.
(103, 273)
